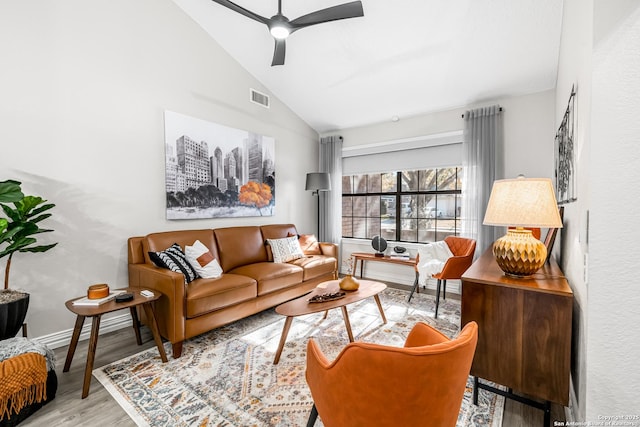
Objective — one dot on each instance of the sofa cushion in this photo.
(174, 259)
(285, 249)
(202, 260)
(206, 295)
(240, 246)
(272, 276)
(316, 265)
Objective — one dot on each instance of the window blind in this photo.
(424, 152)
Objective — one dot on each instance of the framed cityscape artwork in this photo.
(215, 171)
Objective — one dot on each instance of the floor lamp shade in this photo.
(521, 202)
(318, 181)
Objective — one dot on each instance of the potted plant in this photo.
(17, 231)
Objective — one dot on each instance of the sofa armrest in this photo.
(329, 249)
(170, 308)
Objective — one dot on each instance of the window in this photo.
(408, 206)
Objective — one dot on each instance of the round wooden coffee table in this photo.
(301, 306)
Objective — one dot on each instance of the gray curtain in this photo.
(330, 221)
(481, 165)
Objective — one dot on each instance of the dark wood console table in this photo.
(524, 332)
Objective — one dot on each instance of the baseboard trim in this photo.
(569, 410)
(63, 338)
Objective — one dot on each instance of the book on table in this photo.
(98, 301)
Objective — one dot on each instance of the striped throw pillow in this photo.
(174, 259)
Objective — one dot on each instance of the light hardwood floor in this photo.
(100, 409)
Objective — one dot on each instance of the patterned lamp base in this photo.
(518, 253)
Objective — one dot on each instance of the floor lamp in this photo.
(316, 182)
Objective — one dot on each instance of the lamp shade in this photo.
(523, 202)
(318, 181)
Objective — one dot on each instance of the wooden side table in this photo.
(366, 256)
(96, 312)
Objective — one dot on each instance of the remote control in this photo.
(146, 293)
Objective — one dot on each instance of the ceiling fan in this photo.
(280, 26)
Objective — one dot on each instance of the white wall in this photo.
(528, 138)
(613, 377)
(84, 86)
(575, 69)
(599, 53)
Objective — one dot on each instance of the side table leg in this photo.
(384, 318)
(347, 323)
(153, 325)
(91, 354)
(283, 338)
(136, 324)
(74, 342)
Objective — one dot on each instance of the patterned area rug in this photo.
(226, 377)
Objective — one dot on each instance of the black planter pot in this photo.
(12, 316)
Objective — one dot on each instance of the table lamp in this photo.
(521, 202)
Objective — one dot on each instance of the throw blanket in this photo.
(23, 381)
(24, 366)
(433, 256)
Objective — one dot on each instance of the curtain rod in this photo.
(500, 109)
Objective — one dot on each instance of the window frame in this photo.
(398, 194)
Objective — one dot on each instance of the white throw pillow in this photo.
(286, 249)
(202, 260)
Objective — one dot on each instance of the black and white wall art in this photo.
(565, 155)
(215, 171)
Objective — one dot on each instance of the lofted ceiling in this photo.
(403, 58)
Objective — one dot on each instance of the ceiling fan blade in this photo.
(343, 11)
(241, 10)
(278, 52)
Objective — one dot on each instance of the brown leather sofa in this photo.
(251, 281)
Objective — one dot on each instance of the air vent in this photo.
(259, 98)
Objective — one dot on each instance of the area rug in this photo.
(226, 377)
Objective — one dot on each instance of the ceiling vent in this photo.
(259, 98)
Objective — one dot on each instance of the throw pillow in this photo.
(286, 249)
(174, 259)
(309, 244)
(202, 260)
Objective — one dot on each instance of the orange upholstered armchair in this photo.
(374, 385)
(462, 250)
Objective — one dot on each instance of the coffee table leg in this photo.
(384, 318)
(91, 354)
(283, 338)
(153, 325)
(347, 323)
(74, 342)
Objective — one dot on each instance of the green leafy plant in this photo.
(18, 229)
